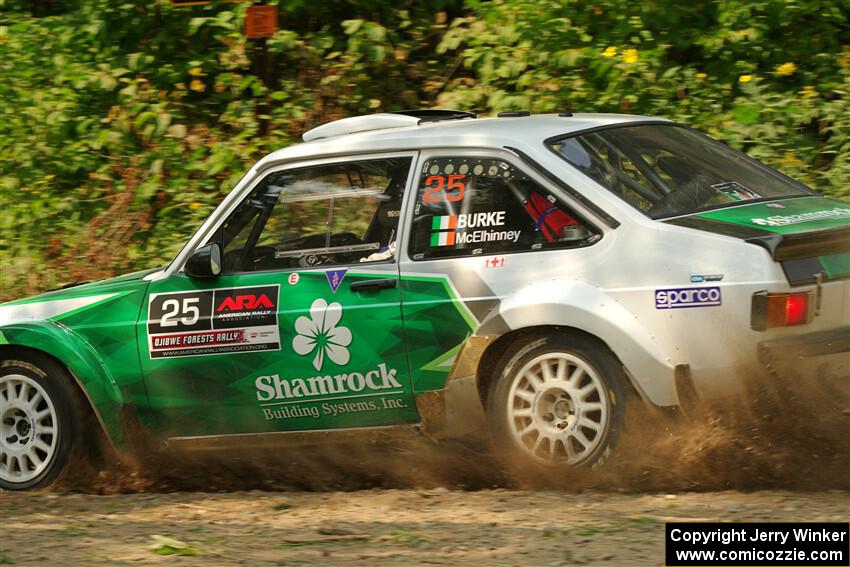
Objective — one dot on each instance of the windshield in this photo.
(668, 170)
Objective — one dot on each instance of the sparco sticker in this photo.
(193, 323)
(682, 297)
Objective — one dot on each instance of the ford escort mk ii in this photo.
(520, 276)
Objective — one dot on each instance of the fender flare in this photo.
(577, 304)
(82, 361)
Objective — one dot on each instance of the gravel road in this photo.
(427, 504)
(376, 527)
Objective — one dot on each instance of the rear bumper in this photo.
(813, 367)
(814, 361)
(825, 343)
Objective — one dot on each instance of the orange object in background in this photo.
(180, 3)
(260, 21)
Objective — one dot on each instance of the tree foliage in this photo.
(122, 124)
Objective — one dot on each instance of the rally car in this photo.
(519, 276)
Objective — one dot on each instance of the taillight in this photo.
(779, 310)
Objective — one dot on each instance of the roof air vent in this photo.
(436, 114)
(518, 114)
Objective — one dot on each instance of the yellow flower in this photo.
(745, 78)
(610, 51)
(197, 85)
(809, 91)
(791, 160)
(630, 55)
(786, 69)
(194, 205)
(701, 75)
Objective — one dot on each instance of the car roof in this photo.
(466, 133)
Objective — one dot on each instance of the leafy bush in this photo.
(122, 124)
(769, 77)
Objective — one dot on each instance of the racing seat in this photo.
(387, 217)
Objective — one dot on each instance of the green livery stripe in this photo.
(453, 295)
(445, 361)
(787, 216)
(437, 325)
(73, 312)
(836, 265)
(58, 308)
(3, 340)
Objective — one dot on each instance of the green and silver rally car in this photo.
(519, 277)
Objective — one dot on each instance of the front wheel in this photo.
(558, 402)
(38, 420)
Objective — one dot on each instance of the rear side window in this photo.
(470, 206)
(667, 170)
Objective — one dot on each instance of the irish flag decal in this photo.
(443, 228)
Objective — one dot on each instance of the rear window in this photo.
(669, 170)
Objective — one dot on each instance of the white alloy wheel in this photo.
(29, 429)
(557, 409)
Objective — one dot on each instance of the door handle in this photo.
(373, 285)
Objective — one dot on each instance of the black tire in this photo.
(567, 422)
(43, 376)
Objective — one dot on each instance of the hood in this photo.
(810, 236)
(58, 304)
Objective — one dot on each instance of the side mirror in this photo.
(205, 262)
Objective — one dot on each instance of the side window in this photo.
(323, 215)
(609, 166)
(469, 206)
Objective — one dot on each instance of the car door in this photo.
(303, 329)
(481, 228)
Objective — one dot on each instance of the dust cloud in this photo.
(786, 435)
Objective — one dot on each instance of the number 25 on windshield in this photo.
(440, 187)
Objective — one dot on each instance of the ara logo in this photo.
(335, 278)
(245, 306)
(245, 302)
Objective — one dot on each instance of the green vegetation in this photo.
(405, 537)
(123, 123)
(164, 545)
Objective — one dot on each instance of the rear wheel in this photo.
(39, 419)
(558, 402)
